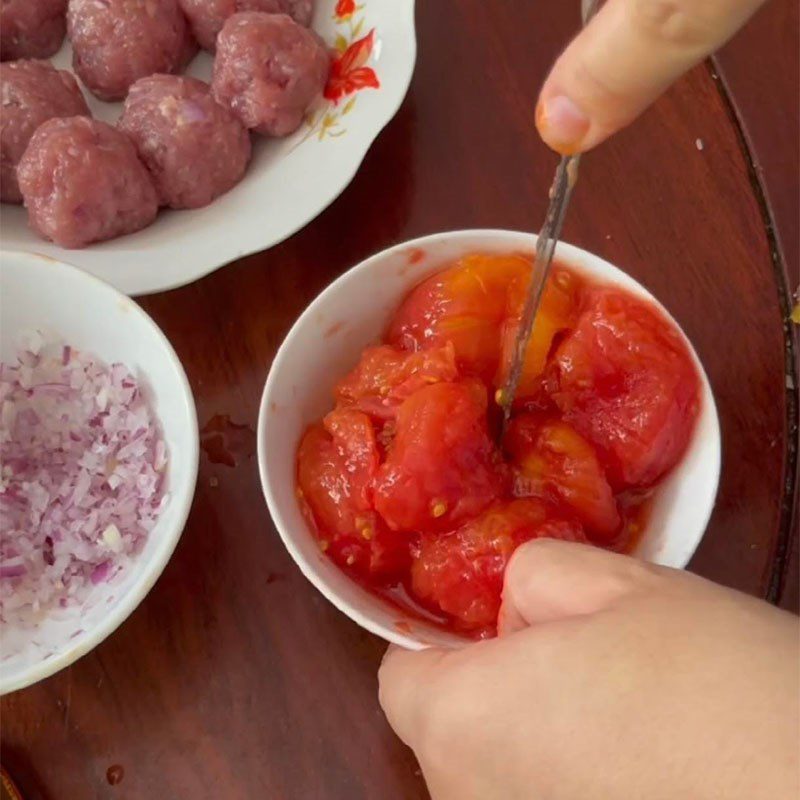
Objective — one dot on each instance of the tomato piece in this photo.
(557, 313)
(335, 470)
(386, 375)
(461, 573)
(553, 460)
(442, 466)
(466, 305)
(336, 464)
(626, 381)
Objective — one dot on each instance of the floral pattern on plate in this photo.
(349, 72)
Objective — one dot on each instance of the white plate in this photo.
(287, 184)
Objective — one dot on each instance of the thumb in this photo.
(405, 679)
(629, 53)
(548, 580)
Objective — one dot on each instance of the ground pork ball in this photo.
(31, 92)
(208, 16)
(116, 42)
(268, 69)
(82, 182)
(31, 28)
(194, 148)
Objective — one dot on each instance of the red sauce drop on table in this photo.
(227, 442)
(114, 774)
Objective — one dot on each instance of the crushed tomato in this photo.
(404, 483)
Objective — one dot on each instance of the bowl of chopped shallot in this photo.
(98, 462)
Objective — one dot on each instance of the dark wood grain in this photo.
(764, 94)
(234, 678)
(767, 112)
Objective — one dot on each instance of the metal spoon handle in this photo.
(560, 193)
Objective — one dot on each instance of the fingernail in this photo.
(561, 123)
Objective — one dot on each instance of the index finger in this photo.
(629, 53)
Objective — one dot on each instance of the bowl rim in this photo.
(566, 251)
(183, 496)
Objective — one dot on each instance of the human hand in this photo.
(624, 59)
(611, 679)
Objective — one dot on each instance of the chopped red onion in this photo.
(81, 477)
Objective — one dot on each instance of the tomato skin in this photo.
(461, 573)
(557, 313)
(626, 381)
(336, 464)
(442, 466)
(386, 375)
(552, 460)
(464, 304)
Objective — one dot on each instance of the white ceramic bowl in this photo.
(325, 343)
(39, 293)
(288, 182)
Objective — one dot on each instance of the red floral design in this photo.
(348, 73)
(345, 9)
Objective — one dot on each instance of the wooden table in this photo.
(234, 679)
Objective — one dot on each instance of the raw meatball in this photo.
(268, 69)
(82, 182)
(208, 16)
(32, 92)
(194, 148)
(116, 42)
(31, 28)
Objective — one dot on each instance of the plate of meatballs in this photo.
(157, 140)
